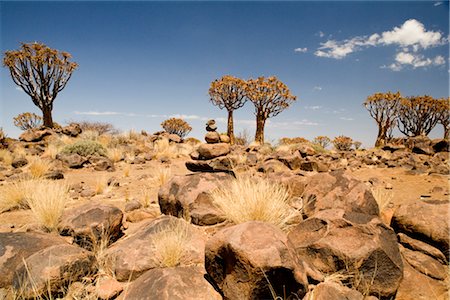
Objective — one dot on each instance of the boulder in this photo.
(212, 137)
(224, 138)
(135, 254)
(72, 130)
(19, 162)
(336, 190)
(202, 212)
(422, 247)
(139, 215)
(248, 260)
(306, 150)
(175, 138)
(92, 222)
(219, 164)
(426, 220)
(331, 290)
(35, 135)
(292, 161)
(107, 287)
(440, 145)
(335, 240)
(101, 163)
(271, 166)
(73, 161)
(180, 283)
(54, 175)
(50, 269)
(180, 195)
(424, 264)
(210, 151)
(14, 247)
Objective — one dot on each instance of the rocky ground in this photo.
(370, 224)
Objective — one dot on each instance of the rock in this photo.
(293, 161)
(203, 212)
(418, 286)
(310, 166)
(19, 162)
(107, 287)
(219, 164)
(245, 260)
(87, 192)
(338, 241)
(420, 145)
(338, 190)
(132, 205)
(420, 246)
(50, 269)
(101, 163)
(393, 147)
(210, 151)
(54, 175)
(14, 247)
(212, 137)
(72, 130)
(424, 264)
(440, 145)
(306, 150)
(113, 181)
(271, 166)
(180, 283)
(179, 196)
(73, 161)
(333, 291)
(142, 214)
(211, 125)
(224, 138)
(135, 254)
(426, 220)
(175, 138)
(89, 223)
(35, 135)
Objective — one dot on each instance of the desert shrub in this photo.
(243, 138)
(2, 136)
(342, 143)
(170, 243)
(89, 135)
(176, 126)
(27, 120)
(290, 141)
(99, 127)
(115, 154)
(318, 148)
(248, 198)
(322, 140)
(85, 148)
(357, 144)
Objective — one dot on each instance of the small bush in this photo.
(357, 145)
(28, 121)
(255, 199)
(322, 141)
(99, 127)
(342, 143)
(85, 148)
(290, 141)
(243, 138)
(176, 126)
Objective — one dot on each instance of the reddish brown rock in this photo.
(180, 283)
(107, 287)
(245, 260)
(336, 240)
(210, 151)
(333, 291)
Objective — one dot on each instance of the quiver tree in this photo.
(27, 120)
(270, 97)
(382, 108)
(228, 92)
(418, 115)
(322, 141)
(444, 117)
(176, 126)
(41, 72)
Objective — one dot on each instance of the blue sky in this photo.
(142, 62)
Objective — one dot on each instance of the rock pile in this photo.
(211, 157)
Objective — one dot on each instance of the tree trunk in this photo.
(381, 138)
(260, 122)
(47, 116)
(230, 129)
(446, 132)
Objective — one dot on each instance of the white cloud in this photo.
(411, 33)
(437, 3)
(97, 113)
(320, 34)
(315, 107)
(301, 50)
(289, 125)
(403, 59)
(346, 119)
(317, 88)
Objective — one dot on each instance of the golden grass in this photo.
(126, 170)
(14, 195)
(47, 202)
(115, 154)
(51, 151)
(19, 152)
(160, 176)
(170, 243)
(382, 196)
(255, 199)
(38, 167)
(100, 186)
(6, 157)
(146, 197)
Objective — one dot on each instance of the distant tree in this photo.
(41, 72)
(357, 144)
(342, 143)
(27, 120)
(176, 126)
(418, 115)
(291, 141)
(270, 97)
(445, 117)
(228, 92)
(322, 141)
(382, 108)
(99, 127)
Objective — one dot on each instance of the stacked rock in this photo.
(212, 136)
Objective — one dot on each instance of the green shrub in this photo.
(85, 148)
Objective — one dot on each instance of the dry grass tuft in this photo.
(51, 151)
(160, 176)
(126, 170)
(47, 202)
(115, 154)
(14, 195)
(38, 167)
(170, 243)
(100, 186)
(255, 199)
(382, 196)
(6, 157)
